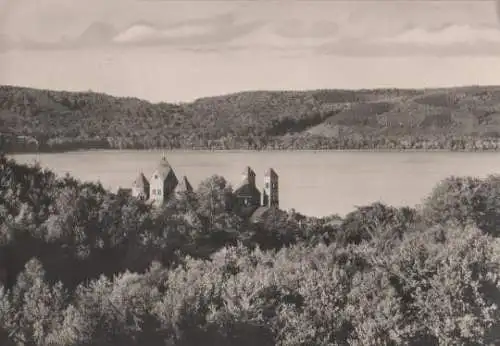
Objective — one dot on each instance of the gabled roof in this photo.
(184, 185)
(141, 181)
(246, 190)
(242, 185)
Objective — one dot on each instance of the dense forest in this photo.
(466, 118)
(80, 265)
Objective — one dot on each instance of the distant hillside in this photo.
(465, 118)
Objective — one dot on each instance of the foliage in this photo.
(88, 267)
(453, 119)
(464, 200)
(376, 220)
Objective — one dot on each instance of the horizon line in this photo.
(243, 91)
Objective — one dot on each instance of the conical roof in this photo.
(184, 185)
(163, 169)
(141, 181)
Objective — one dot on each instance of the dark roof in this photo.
(184, 185)
(243, 184)
(141, 181)
(259, 214)
(246, 190)
(271, 173)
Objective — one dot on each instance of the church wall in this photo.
(156, 188)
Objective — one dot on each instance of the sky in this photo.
(176, 51)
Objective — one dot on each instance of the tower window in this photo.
(156, 176)
(267, 185)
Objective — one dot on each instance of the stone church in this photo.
(250, 202)
(162, 185)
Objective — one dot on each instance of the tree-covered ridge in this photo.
(83, 266)
(466, 118)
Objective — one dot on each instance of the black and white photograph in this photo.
(249, 172)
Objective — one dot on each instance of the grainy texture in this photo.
(82, 266)
(466, 118)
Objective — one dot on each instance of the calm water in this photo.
(314, 183)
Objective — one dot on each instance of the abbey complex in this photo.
(251, 202)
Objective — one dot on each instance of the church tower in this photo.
(270, 193)
(163, 182)
(248, 176)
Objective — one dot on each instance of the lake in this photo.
(314, 183)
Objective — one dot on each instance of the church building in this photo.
(247, 195)
(250, 203)
(162, 185)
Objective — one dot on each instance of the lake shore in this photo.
(452, 119)
(204, 150)
(315, 183)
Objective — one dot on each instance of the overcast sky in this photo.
(179, 50)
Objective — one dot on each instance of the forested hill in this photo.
(465, 118)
